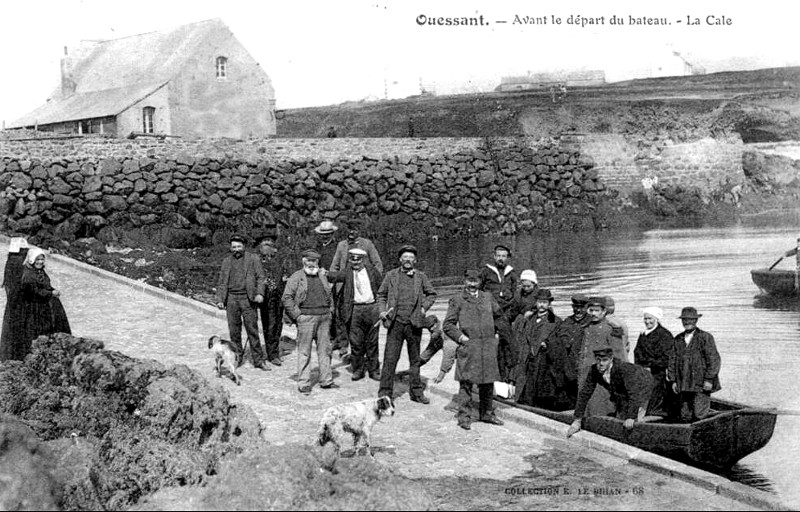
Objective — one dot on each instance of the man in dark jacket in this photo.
(470, 321)
(628, 384)
(500, 279)
(541, 380)
(358, 308)
(275, 277)
(694, 368)
(404, 297)
(570, 335)
(240, 289)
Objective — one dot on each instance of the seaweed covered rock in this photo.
(295, 477)
(147, 425)
(26, 479)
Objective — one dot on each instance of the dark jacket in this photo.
(254, 277)
(520, 304)
(695, 364)
(296, 292)
(546, 360)
(570, 336)
(654, 350)
(423, 291)
(502, 287)
(476, 360)
(630, 389)
(347, 277)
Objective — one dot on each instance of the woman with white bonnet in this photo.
(44, 314)
(13, 318)
(652, 351)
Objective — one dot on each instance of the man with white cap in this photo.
(326, 244)
(358, 309)
(653, 351)
(500, 279)
(354, 240)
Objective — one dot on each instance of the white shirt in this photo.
(362, 291)
(607, 374)
(688, 337)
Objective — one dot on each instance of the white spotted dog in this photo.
(355, 418)
(224, 353)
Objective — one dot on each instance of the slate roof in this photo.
(112, 75)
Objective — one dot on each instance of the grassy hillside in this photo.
(759, 105)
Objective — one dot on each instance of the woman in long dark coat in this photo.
(11, 344)
(653, 351)
(44, 313)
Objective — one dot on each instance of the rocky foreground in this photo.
(84, 428)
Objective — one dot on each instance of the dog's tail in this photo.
(323, 435)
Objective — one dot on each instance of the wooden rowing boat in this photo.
(775, 282)
(732, 432)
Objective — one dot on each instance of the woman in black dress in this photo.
(653, 351)
(11, 344)
(44, 313)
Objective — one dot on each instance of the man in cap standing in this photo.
(272, 306)
(308, 303)
(629, 386)
(404, 297)
(598, 334)
(354, 240)
(240, 289)
(358, 308)
(501, 281)
(570, 335)
(694, 368)
(470, 321)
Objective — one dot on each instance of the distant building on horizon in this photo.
(196, 80)
(533, 81)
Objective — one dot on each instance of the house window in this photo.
(222, 67)
(148, 115)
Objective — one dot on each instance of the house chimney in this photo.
(67, 83)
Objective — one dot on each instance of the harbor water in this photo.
(757, 336)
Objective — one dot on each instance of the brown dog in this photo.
(224, 353)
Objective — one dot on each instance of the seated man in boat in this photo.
(694, 368)
(628, 384)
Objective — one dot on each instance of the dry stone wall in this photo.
(497, 185)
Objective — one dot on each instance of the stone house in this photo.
(195, 80)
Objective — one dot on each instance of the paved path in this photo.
(420, 441)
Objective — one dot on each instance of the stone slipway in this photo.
(420, 441)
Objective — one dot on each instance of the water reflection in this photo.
(743, 474)
(777, 303)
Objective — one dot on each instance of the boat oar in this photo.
(790, 252)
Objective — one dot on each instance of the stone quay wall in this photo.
(496, 185)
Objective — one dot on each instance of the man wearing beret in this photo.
(358, 308)
(694, 368)
(629, 386)
(501, 281)
(308, 303)
(240, 289)
(471, 322)
(404, 297)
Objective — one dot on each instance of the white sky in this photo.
(323, 52)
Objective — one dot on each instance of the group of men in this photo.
(501, 328)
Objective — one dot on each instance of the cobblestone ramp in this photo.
(514, 463)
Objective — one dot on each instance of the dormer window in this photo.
(222, 67)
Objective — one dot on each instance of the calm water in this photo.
(708, 268)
